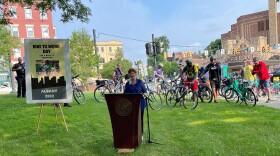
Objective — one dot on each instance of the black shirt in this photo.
(19, 72)
(215, 71)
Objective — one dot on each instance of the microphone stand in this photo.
(148, 116)
(148, 120)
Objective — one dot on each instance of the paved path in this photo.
(275, 101)
(5, 90)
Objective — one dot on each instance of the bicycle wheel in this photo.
(250, 98)
(79, 96)
(190, 100)
(155, 101)
(231, 95)
(171, 98)
(205, 94)
(162, 89)
(99, 93)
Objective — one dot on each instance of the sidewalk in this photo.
(275, 101)
(5, 91)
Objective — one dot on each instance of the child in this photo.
(276, 84)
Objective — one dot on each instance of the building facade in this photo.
(27, 22)
(107, 50)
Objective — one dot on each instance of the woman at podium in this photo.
(135, 85)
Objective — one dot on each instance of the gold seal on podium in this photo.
(123, 107)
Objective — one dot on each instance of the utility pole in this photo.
(154, 50)
(95, 48)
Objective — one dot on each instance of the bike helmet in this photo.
(160, 65)
(189, 60)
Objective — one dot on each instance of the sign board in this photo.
(252, 49)
(241, 57)
(222, 51)
(206, 53)
(48, 74)
(225, 70)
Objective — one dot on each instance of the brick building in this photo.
(29, 23)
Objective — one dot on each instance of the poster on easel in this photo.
(48, 73)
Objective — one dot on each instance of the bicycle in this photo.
(155, 100)
(77, 93)
(205, 93)
(163, 87)
(103, 87)
(241, 91)
(182, 94)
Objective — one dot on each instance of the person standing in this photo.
(135, 85)
(276, 84)
(248, 73)
(118, 73)
(261, 71)
(215, 76)
(19, 68)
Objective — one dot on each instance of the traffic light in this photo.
(148, 48)
(268, 49)
(238, 51)
(263, 49)
(233, 51)
(159, 47)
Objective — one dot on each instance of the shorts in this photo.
(215, 84)
(251, 82)
(264, 83)
(193, 86)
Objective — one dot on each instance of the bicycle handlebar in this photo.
(74, 77)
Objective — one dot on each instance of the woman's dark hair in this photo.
(132, 70)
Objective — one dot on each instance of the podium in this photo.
(125, 114)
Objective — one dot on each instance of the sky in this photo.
(184, 22)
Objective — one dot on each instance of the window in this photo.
(97, 49)
(13, 11)
(17, 53)
(15, 32)
(102, 60)
(30, 31)
(45, 31)
(110, 49)
(261, 26)
(102, 49)
(267, 24)
(43, 15)
(28, 13)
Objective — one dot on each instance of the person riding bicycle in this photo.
(158, 73)
(215, 74)
(191, 71)
(261, 71)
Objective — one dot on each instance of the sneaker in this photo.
(215, 101)
(267, 100)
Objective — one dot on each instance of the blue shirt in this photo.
(159, 72)
(139, 87)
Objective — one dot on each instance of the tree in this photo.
(109, 67)
(169, 68)
(159, 57)
(165, 42)
(70, 9)
(214, 46)
(83, 59)
(7, 43)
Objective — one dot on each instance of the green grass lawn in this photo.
(211, 129)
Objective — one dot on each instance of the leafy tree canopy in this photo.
(169, 68)
(83, 59)
(7, 43)
(214, 46)
(70, 9)
(109, 67)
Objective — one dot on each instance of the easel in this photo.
(55, 115)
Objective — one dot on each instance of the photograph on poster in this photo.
(47, 67)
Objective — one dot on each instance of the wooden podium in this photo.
(125, 113)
